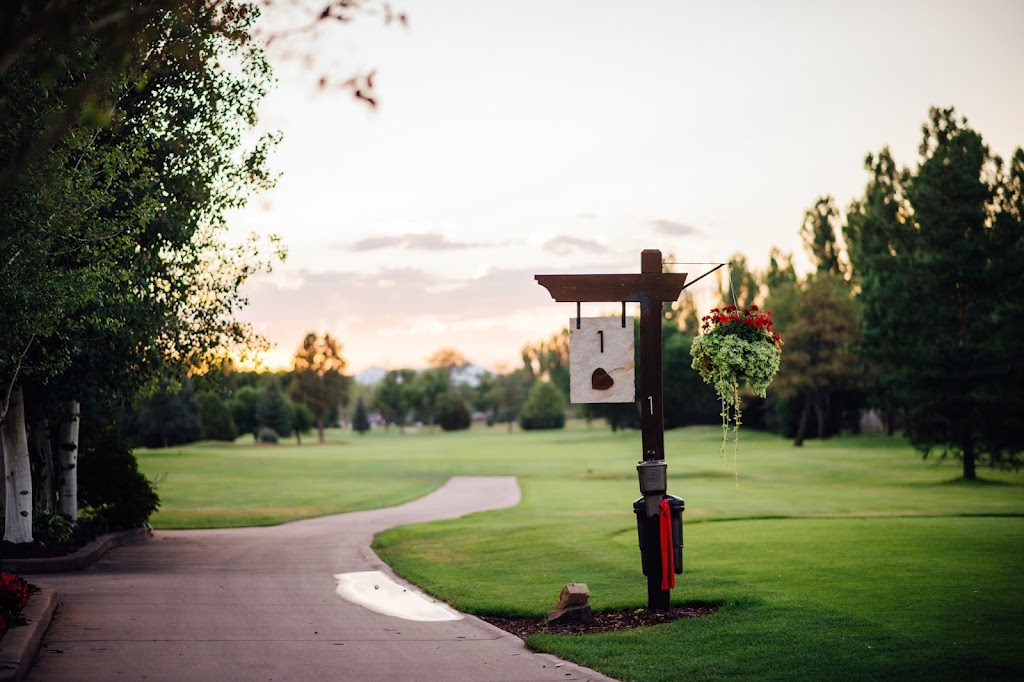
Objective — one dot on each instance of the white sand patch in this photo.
(378, 592)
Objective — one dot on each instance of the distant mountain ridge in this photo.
(370, 376)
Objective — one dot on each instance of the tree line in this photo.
(912, 311)
(913, 307)
(268, 405)
(910, 314)
(121, 149)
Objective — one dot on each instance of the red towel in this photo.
(668, 570)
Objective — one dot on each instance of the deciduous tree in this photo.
(319, 381)
(118, 276)
(428, 388)
(395, 396)
(549, 360)
(509, 393)
(819, 322)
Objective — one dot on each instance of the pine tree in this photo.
(360, 420)
(274, 410)
(934, 251)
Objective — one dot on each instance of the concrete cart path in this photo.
(260, 604)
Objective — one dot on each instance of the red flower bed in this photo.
(15, 594)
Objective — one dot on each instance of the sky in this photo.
(566, 136)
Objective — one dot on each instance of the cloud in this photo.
(398, 316)
(564, 245)
(673, 228)
(392, 301)
(411, 241)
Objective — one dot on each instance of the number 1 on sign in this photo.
(650, 399)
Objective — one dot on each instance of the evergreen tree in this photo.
(820, 235)
(1008, 311)
(274, 410)
(931, 252)
(360, 420)
(878, 235)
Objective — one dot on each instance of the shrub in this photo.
(110, 487)
(544, 408)
(267, 435)
(452, 413)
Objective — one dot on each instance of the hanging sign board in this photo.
(601, 360)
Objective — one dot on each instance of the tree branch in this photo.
(14, 379)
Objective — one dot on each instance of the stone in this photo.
(573, 606)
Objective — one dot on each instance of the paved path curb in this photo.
(76, 561)
(20, 644)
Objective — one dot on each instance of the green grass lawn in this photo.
(845, 559)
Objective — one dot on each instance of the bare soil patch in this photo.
(608, 621)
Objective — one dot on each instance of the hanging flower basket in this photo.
(736, 345)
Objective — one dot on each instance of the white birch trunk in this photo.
(67, 465)
(18, 472)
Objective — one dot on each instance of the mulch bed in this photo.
(84, 534)
(609, 621)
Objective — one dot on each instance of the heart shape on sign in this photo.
(601, 380)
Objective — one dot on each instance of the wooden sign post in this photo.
(650, 289)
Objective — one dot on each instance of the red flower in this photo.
(14, 593)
